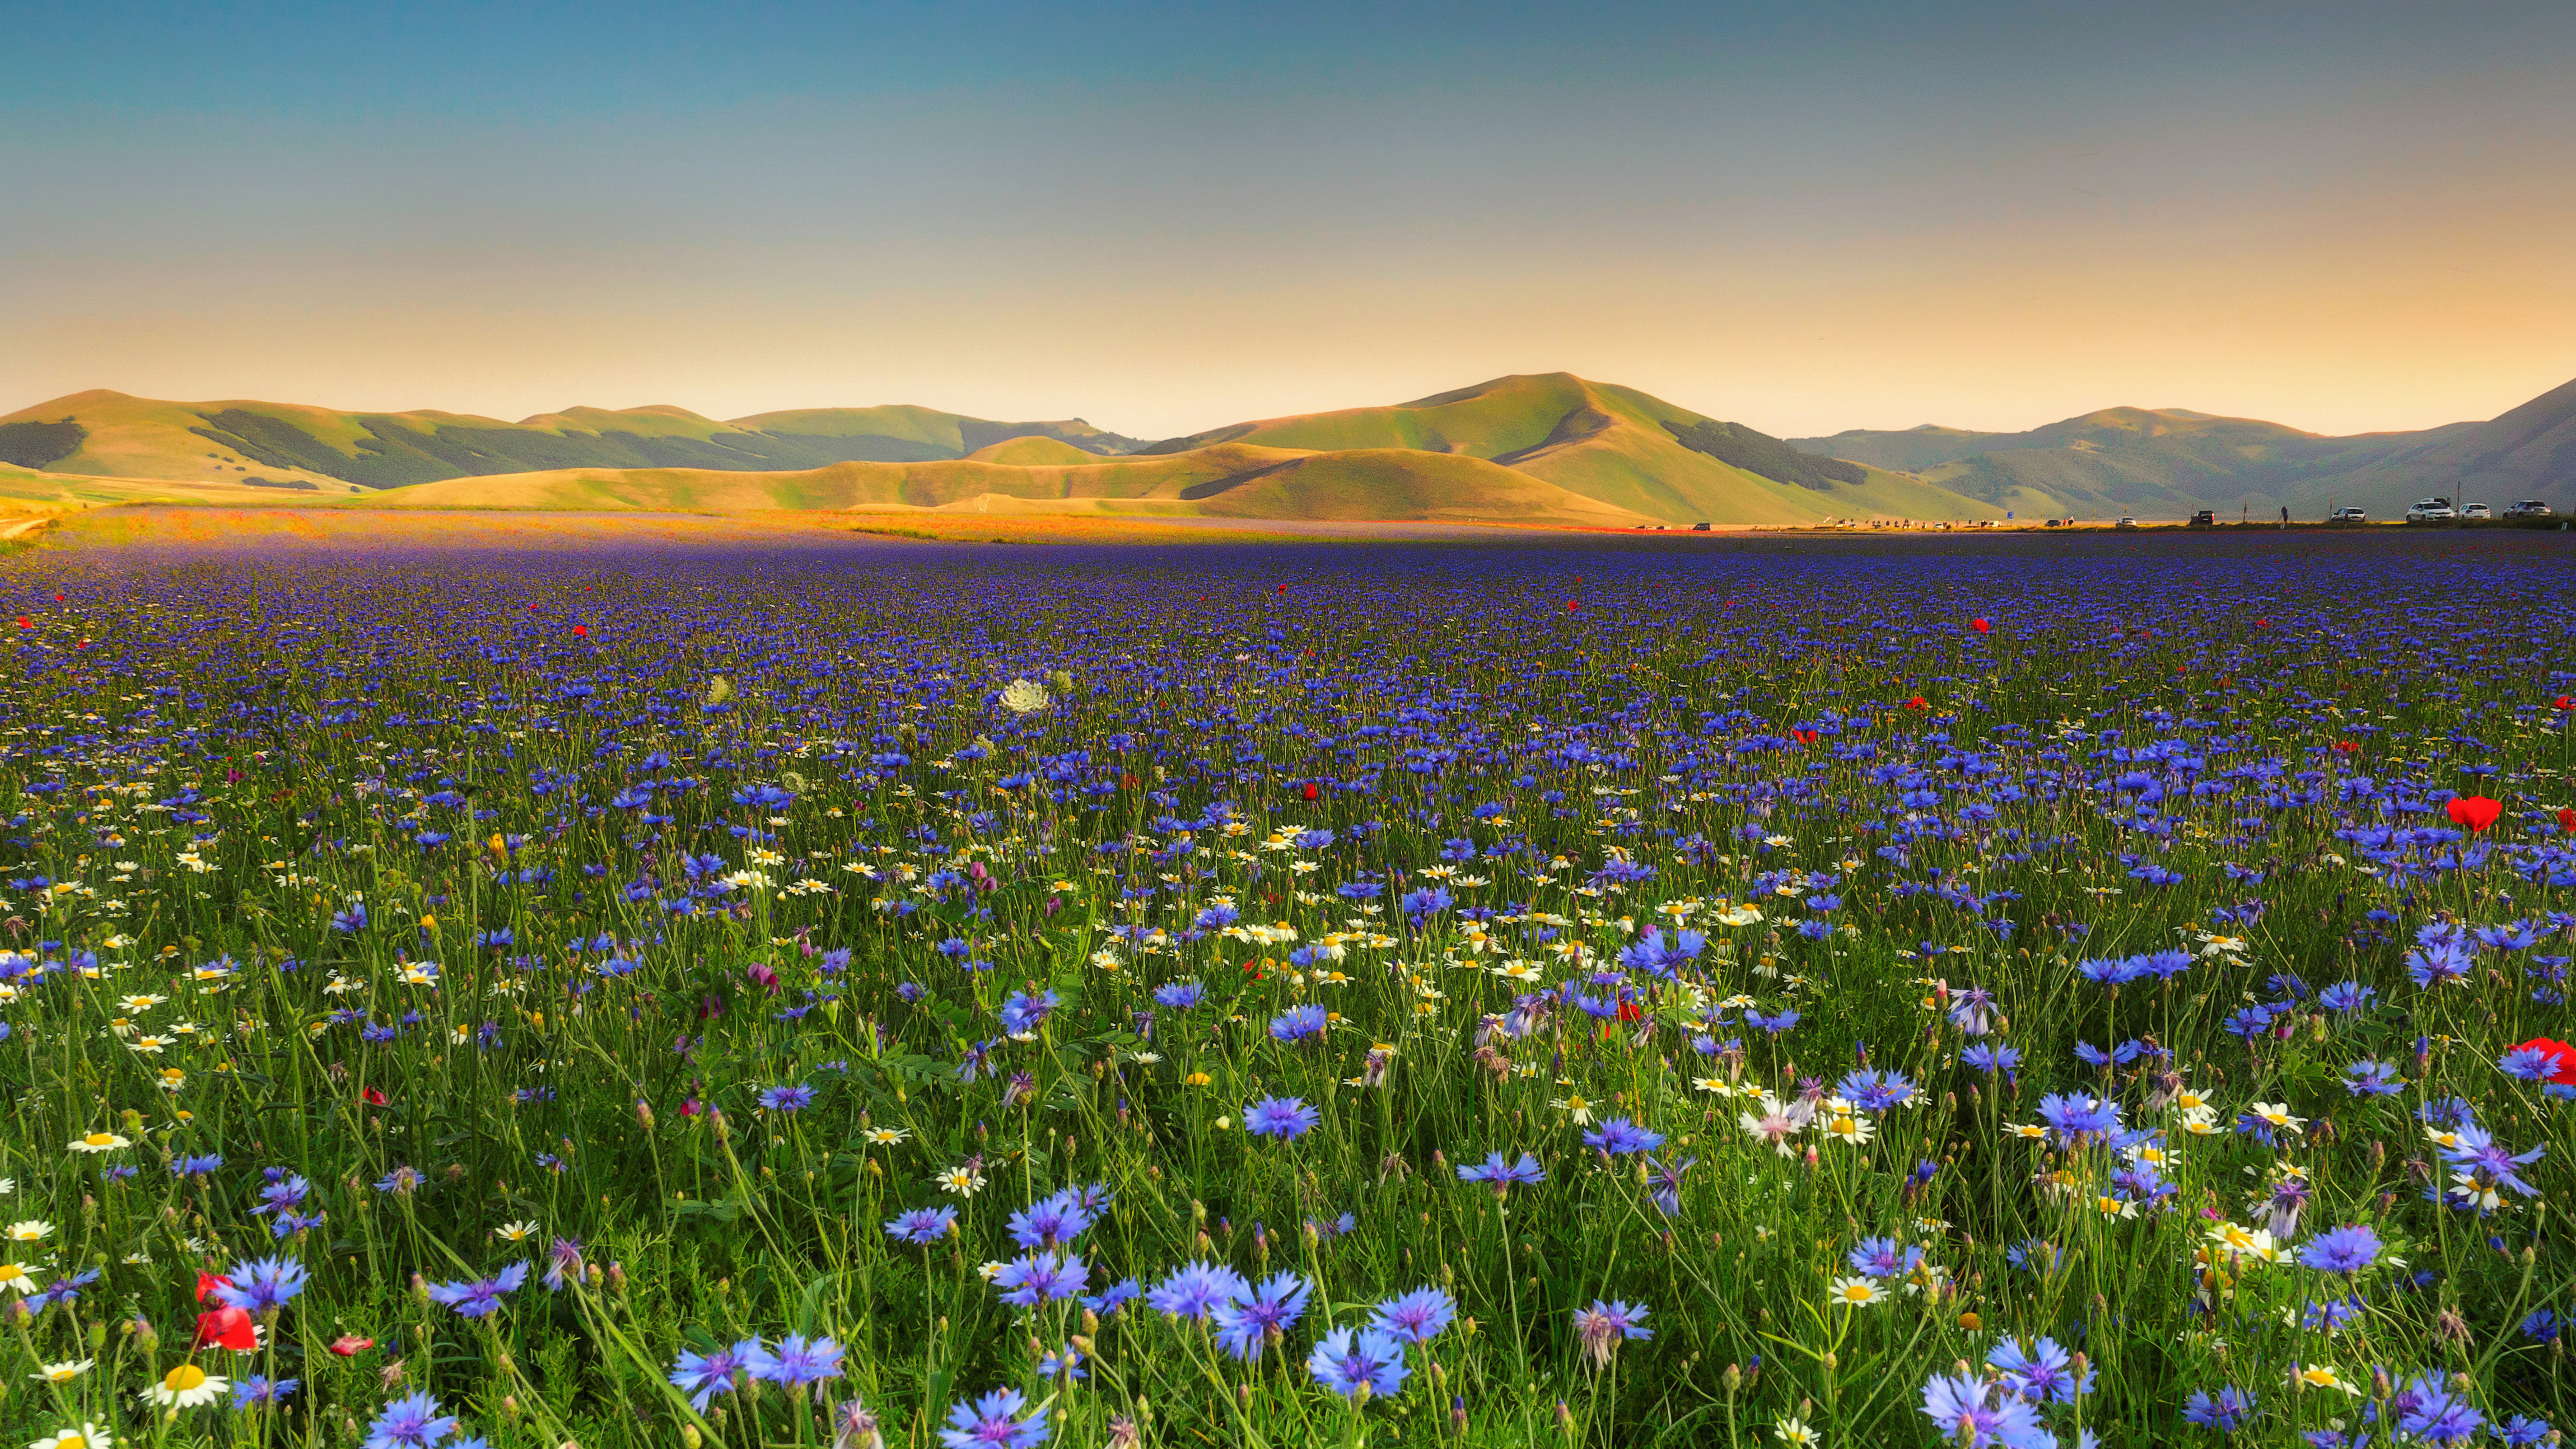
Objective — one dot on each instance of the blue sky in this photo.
(1165, 217)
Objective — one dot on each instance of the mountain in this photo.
(109, 434)
(1613, 444)
(1235, 480)
(2167, 462)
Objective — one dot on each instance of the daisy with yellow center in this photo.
(15, 1275)
(2322, 1376)
(884, 1136)
(518, 1232)
(87, 1436)
(188, 1386)
(98, 1142)
(64, 1372)
(30, 1230)
(1856, 1292)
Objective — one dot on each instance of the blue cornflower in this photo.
(264, 1284)
(1180, 995)
(1501, 1175)
(258, 1392)
(2225, 1411)
(482, 1297)
(1245, 1326)
(1415, 1317)
(2346, 996)
(921, 1226)
(1772, 1024)
(1024, 1012)
(1992, 1059)
(796, 1360)
(1037, 1278)
(1601, 1327)
(1619, 1137)
(1195, 1291)
(787, 1099)
(2434, 1414)
(702, 1376)
(2074, 1119)
(1051, 1222)
(2041, 1372)
(1883, 1258)
(1352, 1364)
(410, 1422)
(2372, 1079)
(1875, 1092)
(1109, 1300)
(1287, 1117)
(988, 1424)
(1298, 1022)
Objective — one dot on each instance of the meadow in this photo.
(2008, 991)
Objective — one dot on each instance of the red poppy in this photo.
(1804, 737)
(1981, 626)
(2564, 701)
(373, 1097)
(2474, 812)
(1283, 588)
(25, 623)
(581, 631)
(1918, 702)
(227, 1328)
(2562, 1058)
(1128, 782)
(350, 1345)
(2262, 623)
(1631, 1011)
(58, 598)
(2347, 747)
(1572, 606)
(1309, 790)
(207, 1283)
(2567, 821)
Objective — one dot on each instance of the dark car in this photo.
(2204, 518)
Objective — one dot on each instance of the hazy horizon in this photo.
(2342, 218)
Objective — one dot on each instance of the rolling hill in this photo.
(1615, 445)
(2168, 462)
(1233, 480)
(109, 434)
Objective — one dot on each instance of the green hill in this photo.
(109, 434)
(2169, 462)
(1615, 445)
(1233, 480)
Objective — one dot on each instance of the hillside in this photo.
(1233, 480)
(2168, 462)
(109, 434)
(1615, 445)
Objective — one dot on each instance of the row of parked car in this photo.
(2439, 510)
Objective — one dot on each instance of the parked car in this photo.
(2527, 508)
(2204, 518)
(2126, 522)
(2476, 510)
(2430, 510)
(2348, 515)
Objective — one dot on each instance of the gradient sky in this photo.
(1164, 217)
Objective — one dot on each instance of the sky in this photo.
(2347, 217)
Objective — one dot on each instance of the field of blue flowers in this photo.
(1848, 992)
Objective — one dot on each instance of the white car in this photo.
(2527, 508)
(2430, 510)
(2348, 515)
(2476, 510)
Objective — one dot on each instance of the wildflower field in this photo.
(1860, 992)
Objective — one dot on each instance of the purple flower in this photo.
(1416, 1317)
(1298, 1022)
(1501, 1175)
(410, 1422)
(2042, 1372)
(2435, 1414)
(1286, 1117)
(1368, 1362)
(2345, 1250)
(1052, 1222)
(796, 1360)
(921, 1227)
(1974, 1413)
(1601, 1326)
(1246, 1326)
(1619, 1137)
(989, 1422)
(2225, 1411)
(1041, 1278)
(2074, 1119)
(482, 1297)
(1196, 1291)
(702, 1376)
(263, 1285)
